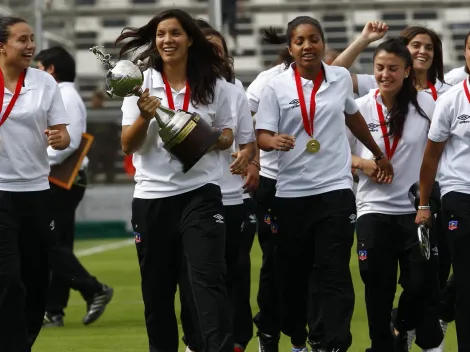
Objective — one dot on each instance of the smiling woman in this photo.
(179, 218)
(33, 118)
(303, 113)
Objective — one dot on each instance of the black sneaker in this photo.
(52, 320)
(97, 305)
(268, 343)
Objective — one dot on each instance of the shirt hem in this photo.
(149, 194)
(24, 187)
(311, 192)
(384, 212)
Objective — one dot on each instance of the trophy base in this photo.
(193, 141)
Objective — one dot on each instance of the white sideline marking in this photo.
(104, 248)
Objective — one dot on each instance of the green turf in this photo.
(121, 328)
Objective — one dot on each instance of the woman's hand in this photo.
(283, 142)
(148, 105)
(238, 167)
(423, 217)
(373, 31)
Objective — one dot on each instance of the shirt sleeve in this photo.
(455, 76)
(352, 141)
(268, 115)
(254, 91)
(441, 122)
(75, 130)
(56, 114)
(245, 132)
(350, 106)
(365, 83)
(223, 117)
(130, 110)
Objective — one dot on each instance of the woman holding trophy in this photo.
(178, 215)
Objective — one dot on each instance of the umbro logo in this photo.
(373, 127)
(463, 118)
(219, 218)
(294, 103)
(353, 218)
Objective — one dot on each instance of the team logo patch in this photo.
(453, 225)
(137, 237)
(362, 254)
(267, 219)
(274, 228)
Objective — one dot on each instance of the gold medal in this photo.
(313, 146)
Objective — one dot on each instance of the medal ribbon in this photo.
(308, 120)
(383, 126)
(465, 88)
(169, 95)
(13, 99)
(433, 90)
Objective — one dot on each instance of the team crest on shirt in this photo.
(453, 225)
(267, 219)
(463, 119)
(362, 254)
(373, 127)
(294, 103)
(136, 237)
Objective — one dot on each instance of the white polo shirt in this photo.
(24, 165)
(455, 76)
(239, 84)
(268, 160)
(300, 172)
(392, 198)
(367, 82)
(77, 113)
(451, 123)
(157, 174)
(231, 185)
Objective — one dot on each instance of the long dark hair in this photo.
(204, 64)
(467, 69)
(270, 36)
(5, 23)
(229, 71)
(437, 66)
(408, 93)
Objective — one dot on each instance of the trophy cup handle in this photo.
(110, 93)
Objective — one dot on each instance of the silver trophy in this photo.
(187, 137)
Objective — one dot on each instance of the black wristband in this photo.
(379, 157)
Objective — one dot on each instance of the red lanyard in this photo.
(433, 90)
(13, 99)
(465, 88)
(383, 126)
(169, 95)
(308, 120)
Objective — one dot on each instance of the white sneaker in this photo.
(410, 338)
(188, 350)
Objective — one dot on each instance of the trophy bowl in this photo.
(123, 78)
(186, 136)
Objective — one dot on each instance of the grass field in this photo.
(122, 329)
